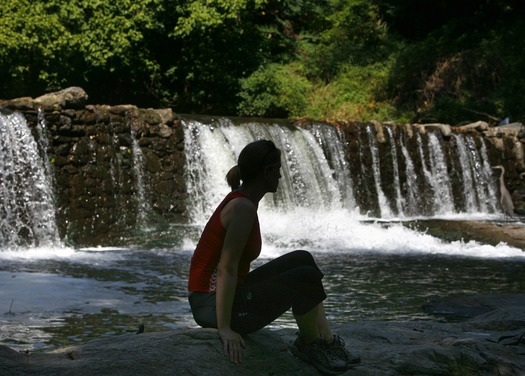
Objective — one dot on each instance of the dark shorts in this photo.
(290, 281)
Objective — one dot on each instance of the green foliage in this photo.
(25, 44)
(355, 35)
(51, 44)
(202, 16)
(216, 54)
(353, 94)
(274, 91)
(389, 60)
(507, 46)
(463, 68)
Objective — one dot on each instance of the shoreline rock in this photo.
(511, 233)
(488, 341)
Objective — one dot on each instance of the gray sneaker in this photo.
(320, 355)
(339, 349)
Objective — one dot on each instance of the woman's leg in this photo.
(314, 325)
(290, 281)
(203, 308)
(295, 281)
(280, 265)
(323, 326)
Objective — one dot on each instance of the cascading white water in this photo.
(315, 204)
(469, 191)
(443, 199)
(330, 140)
(411, 179)
(212, 150)
(311, 208)
(384, 207)
(43, 145)
(309, 181)
(143, 203)
(117, 179)
(482, 176)
(27, 210)
(395, 166)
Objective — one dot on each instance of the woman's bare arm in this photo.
(237, 218)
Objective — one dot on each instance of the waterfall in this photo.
(325, 177)
(484, 175)
(411, 179)
(117, 179)
(139, 162)
(317, 173)
(395, 168)
(309, 178)
(315, 206)
(436, 175)
(384, 208)
(27, 208)
(469, 185)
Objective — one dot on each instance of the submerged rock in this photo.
(492, 343)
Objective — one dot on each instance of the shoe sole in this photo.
(295, 351)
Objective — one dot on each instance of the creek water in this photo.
(375, 268)
(51, 297)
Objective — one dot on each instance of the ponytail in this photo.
(233, 177)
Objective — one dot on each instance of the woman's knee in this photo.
(203, 309)
(303, 257)
(205, 317)
(309, 274)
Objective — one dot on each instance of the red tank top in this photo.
(203, 268)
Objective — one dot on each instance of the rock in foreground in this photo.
(489, 341)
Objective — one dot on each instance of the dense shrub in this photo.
(275, 91)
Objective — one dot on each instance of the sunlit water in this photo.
(51, 297)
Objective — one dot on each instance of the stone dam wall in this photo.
(95, 151)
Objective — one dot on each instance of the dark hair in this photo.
(253, 159)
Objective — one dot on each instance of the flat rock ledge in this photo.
(486, 339)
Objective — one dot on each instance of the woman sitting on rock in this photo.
(226, 295)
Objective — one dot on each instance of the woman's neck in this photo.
(253, 192)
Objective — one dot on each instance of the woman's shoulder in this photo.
(239, 198)
(240, 207)
(242, 203)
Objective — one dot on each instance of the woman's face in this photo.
(272, 175)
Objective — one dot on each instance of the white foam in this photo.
(344, 232)
(59, 253)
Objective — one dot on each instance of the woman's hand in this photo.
(233, 344)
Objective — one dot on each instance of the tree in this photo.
(227, 41)
(96, 44)
(459, 60)
(386, 59)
